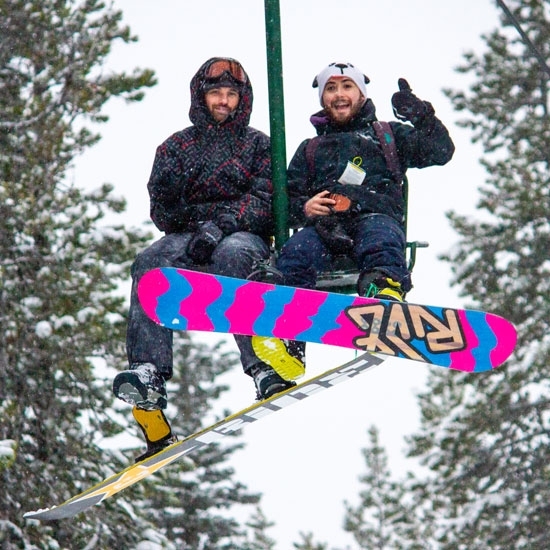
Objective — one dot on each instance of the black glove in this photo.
(227, 223)
(203, 242)
(406, 106)
(334, 235)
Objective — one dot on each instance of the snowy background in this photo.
(306, 459)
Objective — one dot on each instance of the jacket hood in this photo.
(200, 115)
(324, 125)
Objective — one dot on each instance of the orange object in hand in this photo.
(343, 203)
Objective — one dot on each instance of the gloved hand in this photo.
(406, 106)
(203, 242)
(333, 235)
(227, 223)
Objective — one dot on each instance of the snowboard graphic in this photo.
(137, 472)
(466, 340)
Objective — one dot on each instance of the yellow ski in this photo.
(237, 421)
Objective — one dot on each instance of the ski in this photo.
(136, 472)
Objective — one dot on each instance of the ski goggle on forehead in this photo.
(221, 66)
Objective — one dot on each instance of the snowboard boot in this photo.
(267, 381)
(156, 429)
(265, 273)
(378, 285)
(286, 357)
(142, 386)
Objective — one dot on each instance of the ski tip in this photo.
(42, 513)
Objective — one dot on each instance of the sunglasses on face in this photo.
(218, 68)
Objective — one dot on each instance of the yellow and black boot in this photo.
(286, 357)
(380, 286)
(156, 429)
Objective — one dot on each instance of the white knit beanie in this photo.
(340, 70)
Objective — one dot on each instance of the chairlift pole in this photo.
(276, 119)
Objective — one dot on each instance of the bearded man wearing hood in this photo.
(210, 193)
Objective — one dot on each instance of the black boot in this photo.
(142, 385)
(268, 382)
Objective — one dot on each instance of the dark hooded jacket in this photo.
(211, 168)
(319, 168)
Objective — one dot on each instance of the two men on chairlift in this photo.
(210, 193)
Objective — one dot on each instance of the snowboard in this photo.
(465, 340)
(232, 423)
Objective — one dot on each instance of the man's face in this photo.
(342, 99)
(221, 102)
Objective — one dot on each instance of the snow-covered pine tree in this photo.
(62, 314)
(486, 436)
(59, 267)
(385, 517)
(259, 524)
(308, 543)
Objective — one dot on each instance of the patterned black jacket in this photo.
(210, 169)
(425, 145)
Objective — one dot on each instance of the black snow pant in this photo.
(237, 255)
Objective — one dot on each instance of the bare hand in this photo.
(319, 205)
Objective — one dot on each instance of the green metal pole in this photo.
(277, 120)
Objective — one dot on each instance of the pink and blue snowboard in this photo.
(465, 340)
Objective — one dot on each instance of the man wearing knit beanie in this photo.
(346, 184)
(348, 77)
(341, 70)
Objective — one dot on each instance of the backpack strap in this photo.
(311, 147)
(387, 142)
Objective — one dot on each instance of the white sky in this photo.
(306, 460)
